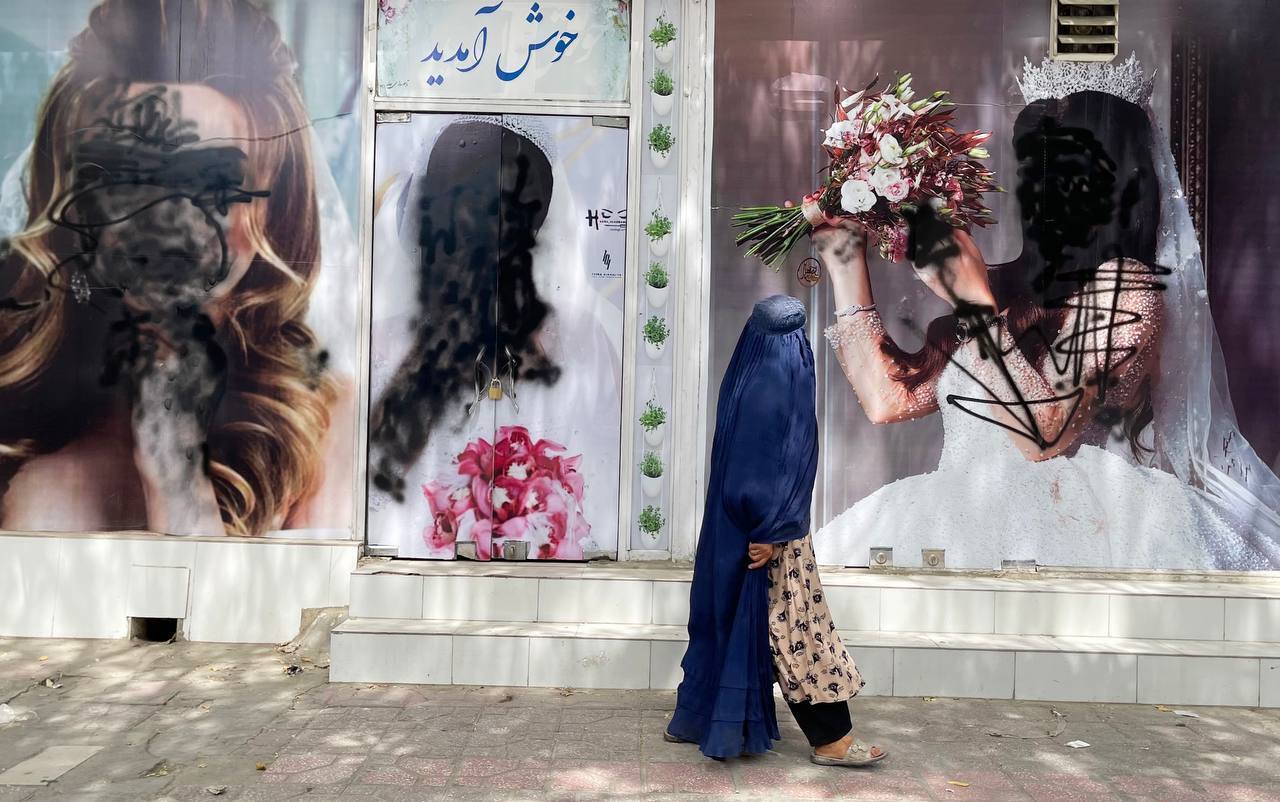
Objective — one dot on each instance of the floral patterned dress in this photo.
(810, 659)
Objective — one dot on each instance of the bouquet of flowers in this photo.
(513, 489)
(890, 154)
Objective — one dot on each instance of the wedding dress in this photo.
(1203, 500)
(987, 502)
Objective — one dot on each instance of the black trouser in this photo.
(822, 722)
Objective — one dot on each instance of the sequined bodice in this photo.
(966, 383)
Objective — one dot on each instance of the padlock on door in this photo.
(495, 390)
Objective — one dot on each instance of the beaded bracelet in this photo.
(850, 311)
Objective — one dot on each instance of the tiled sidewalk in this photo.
(185, 721)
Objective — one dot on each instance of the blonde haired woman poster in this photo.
(158, 370)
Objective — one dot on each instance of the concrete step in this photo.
(994, 666)
(1231, 608)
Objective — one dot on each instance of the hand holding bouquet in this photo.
(889, 155)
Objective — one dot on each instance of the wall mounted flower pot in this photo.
(662, 103)
(660, 246)
(651, 485)
(653, 437)
(664, 53)
(654, 351)
(656, 296)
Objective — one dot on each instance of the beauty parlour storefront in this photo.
(287, 285)
(419, 308)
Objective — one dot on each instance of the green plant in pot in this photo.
(662, 36)
(655, 333)
(661, 141)
(662, 88)
(651, 474)
(651, 521)
(658, 229)
(656, 280)
(652, 420)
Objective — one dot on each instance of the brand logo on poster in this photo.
(444, 48)
(607, 219)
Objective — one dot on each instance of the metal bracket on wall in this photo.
(392, 117)
(600, 121)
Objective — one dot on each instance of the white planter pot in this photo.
(657, 297)
(662, 103)
(654, 351)
(653, 437)
(651, 486)
(664, 53)
(659, 247)
(659, 159)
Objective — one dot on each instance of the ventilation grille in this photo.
(1085, 30)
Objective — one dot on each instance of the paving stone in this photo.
(200, 715)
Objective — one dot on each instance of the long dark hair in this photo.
(478, 206)
(1088, 194)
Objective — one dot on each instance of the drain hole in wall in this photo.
(153, 630)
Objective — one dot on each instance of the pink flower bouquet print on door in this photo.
(515, 489)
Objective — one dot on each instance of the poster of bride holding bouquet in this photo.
(1074, 392)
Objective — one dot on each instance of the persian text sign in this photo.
(545, 50)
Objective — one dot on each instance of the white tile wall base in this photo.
(588, 663)
(1247, 609)
(1253, 619)
(1198, 680)
(584, 655)
(947, 672)
(408, 658)
(485, 660)
(158, 592)
(1076, 677)
(1190, 617)
(664, 664)
(226, 590)
(1269, 682)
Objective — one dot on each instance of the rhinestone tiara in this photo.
(1057, 79)
(526, 126)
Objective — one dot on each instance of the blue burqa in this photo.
(763, 461)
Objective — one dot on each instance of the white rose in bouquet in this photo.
(891, 151)
(856, 196)
(890, 183)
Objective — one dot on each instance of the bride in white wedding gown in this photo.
(1087, 423)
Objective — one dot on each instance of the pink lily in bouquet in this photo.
(889, 154)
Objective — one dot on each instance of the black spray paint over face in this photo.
(151, 208)
(1088, 195)
(474, 218)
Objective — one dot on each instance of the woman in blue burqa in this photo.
(748, 625)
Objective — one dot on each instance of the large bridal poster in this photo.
(178, 266)
(499, 253)
(1088, 420)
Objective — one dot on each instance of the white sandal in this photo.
(858, 756)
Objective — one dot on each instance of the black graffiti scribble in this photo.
(151, 210)
(1072, 192)
(145, 221)
(1069, 353)
(479, 307)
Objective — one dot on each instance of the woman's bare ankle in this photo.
(836, 748)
